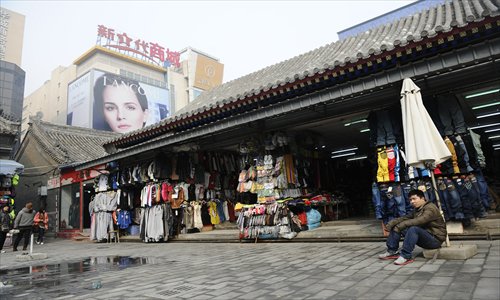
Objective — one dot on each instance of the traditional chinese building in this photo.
(48, 153)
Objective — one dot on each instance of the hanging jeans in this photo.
(451, 115)
(397, 191)
(465, 153)
(431, 194)
(483, 190)
(406, 188)
(376, 201)
(385, 135)
(414, 235)
(472, 190)
(464, 198)
(444, 197)
(388, 203)
(471, 151)
(454, 200)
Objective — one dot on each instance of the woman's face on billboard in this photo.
(122, 109)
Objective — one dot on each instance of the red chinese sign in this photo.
(149, 51)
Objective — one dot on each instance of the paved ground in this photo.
(244, 271)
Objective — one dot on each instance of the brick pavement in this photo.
(245, 271)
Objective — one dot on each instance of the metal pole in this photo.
(438, 200)
(31, 242)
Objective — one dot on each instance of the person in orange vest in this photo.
(41, 221)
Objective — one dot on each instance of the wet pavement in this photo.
(84, 270)
(34, 279)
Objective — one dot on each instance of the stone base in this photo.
(452, 252)
(32, 256)
(454, 227)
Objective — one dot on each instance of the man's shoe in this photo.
(14, 250)
(401, 261)
(38, 243)
(388, 255)
(2, 251)
(41, 243)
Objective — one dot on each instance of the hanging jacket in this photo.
(4, 221)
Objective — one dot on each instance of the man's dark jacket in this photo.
(427, 217)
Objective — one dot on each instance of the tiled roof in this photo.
(362, 47)
(8, 126)
(69, 144)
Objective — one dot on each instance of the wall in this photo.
(12, 32)
(112, 64)
(179, 93)
(50, 99)
(38, 167)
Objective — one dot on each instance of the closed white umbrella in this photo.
(424, 145)
(425, 148)
(10, 167)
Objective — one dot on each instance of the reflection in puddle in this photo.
(29, 279)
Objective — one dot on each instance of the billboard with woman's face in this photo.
(118, 103)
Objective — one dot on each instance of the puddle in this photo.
(70, 274)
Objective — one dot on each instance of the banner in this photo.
(110, 102)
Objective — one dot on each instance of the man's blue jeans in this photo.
(414, 235)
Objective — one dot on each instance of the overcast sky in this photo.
(245, 35)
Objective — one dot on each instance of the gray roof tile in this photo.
(69, 144)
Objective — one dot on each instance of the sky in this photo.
(245, 36)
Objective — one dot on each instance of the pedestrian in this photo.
(424, 227)
(4, 226)
(41, 222)
(24, 222)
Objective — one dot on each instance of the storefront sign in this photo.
(53, 182)
(148, 51)
(78, 176)
(208, 73)
(4, 27)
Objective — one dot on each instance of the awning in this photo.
(10, 167)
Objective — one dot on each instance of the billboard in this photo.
(107, 101)
(208, 73)
(79, 102)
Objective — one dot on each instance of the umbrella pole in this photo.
(434, 185)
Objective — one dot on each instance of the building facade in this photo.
(11, 75)
(169, 81)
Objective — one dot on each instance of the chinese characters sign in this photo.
(4, 26)
(148, 51)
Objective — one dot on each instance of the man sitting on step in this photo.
(424, 227)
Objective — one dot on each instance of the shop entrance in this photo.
(88, 193)
(347, 167)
